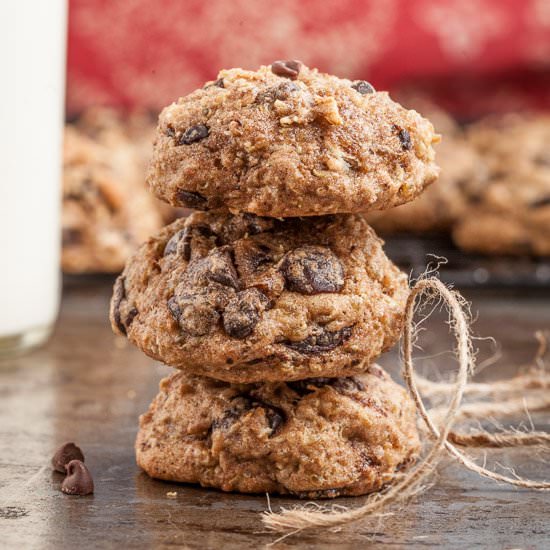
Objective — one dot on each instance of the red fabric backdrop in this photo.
(472, 56)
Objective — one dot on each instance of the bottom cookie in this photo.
(314, 438)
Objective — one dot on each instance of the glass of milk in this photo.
(32, 57)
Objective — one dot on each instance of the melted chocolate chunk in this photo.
(194, 134)
(404, 137)
(190, 199)
(313, 270)
(131, 316)
(79, 480)
(243, 312)
(64, 455)
(196, 315)
(216, 267)
(182, 240)
(289, 69)
(363, 87)
(321, 341)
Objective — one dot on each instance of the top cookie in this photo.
(289, 141)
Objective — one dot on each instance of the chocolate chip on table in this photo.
(404, 137)
(321, 341)
(242, 313)
(194, 134)
(540, 203)
(289, 69)
(64, 454)
(191, 199)
(79, 480)
(312, 270)
(363, 87)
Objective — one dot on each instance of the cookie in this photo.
(244, 299)
(106, 211)
(463, 174)
(288, 141)
(510, 217)
(511, 213)
(316, 438)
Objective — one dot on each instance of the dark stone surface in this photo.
(89, 387)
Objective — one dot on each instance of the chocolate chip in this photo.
(341, 385)
(289, 69)
(183, 239)
(312, 270)
(303, 387)
(363, 87)
(71, 236)
(217, 267)
(194, 134)
(404, 137)
(79, 480)
(170, 131)
(119, 295)
(174, 308)
(281, 92)
(196, 315)
(190, 199)
(64, 455)
(540, 203)
(217, 83)
(321, 341)
(275, 418)
(240, 405)
(130, 317)
(349, 384)
(243, 312)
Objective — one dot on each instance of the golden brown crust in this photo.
(245, 299)
(270, 145)
(315, 438)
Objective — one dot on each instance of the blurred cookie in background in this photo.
(107, 211)
(511, 214)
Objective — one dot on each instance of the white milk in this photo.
(32, 81)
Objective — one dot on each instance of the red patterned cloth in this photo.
(471, 56)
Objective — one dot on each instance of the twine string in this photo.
(410, 483)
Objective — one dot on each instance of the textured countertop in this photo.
(89, 386)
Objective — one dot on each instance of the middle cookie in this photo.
(247, 299)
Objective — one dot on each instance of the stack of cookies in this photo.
(275, 297)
